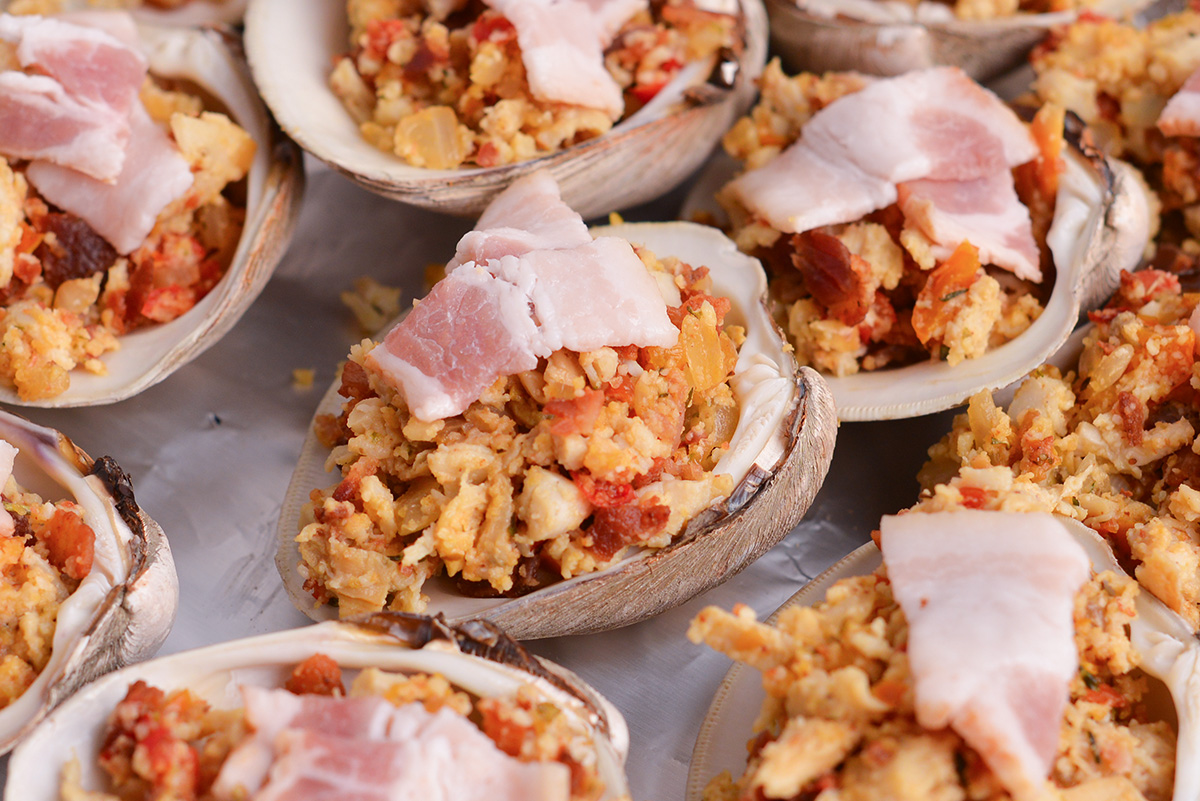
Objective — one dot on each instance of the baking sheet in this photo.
(211, 449)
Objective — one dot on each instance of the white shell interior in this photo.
(763, 382)
(148, 355)
(1170, 652)
(215, 673)
(933, 386)
(292, 44)
(42, 469)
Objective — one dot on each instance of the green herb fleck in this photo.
(1089, 679)
(945, 353)
(953, 295)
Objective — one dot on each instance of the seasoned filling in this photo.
(442, 84)
(43, 558)
(1110, 443)
(839, 709)
(1118, 78)
(67, 294)
(552, 473)
(174, 745)
(876, 292)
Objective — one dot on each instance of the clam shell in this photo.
(121, 612)
(477, 658)
(291, 45)
(1170, 653)
(891, 38)
(1101, 226)
(211, 59)
(779, 455)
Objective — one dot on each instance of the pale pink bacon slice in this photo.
(985, 211)
(933, 124)
(1181, 115)
(487, 320)
(989, 598)
(75, 112)
(562, 48)
(365, 749)
(591, 296)
(271, 712)
(610, 15)
(529, 215)
(123, 212)
(471, 329)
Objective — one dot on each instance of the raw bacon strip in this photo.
(1181, 116)
(591, 296)
(471, 329)
(989, 598)
(528, 215)
(562, 47)
(485, 321)
(90, 63)
(270, 712)
(38, 119)
(123, 212)
(818, 191)
(985, 211)
(930, 124)
(313, 748)
(8, 455)
(85, 120)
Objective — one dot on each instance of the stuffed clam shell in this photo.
(885, 38)
(1167, 651)
(207, 63)
(475, 658)
(124, 606)
(778, 456)
(291, 45)
(1102, 219)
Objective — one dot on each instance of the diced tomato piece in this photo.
(603, 494)
(317, 675)
(947, 281)
(575, 415)
(165, 304)
(70, 543)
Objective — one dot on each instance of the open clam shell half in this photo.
(476, 658)
(122, 610)
(1102, 222)
(1169, 652)
(291, 45)
(212, 61)
(890, 38)
(778, 457)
